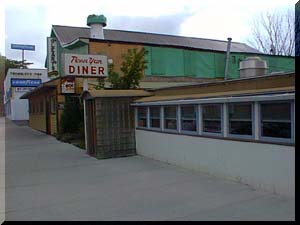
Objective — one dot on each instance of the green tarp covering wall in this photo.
(164, 61)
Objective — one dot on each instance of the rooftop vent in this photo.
(96, 23)
(253, 66)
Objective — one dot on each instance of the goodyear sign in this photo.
(15, 82)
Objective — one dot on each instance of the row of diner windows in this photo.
(38, 107)
(275, 120)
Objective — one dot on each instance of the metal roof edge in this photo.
(227, 81)
(244, 97)
(40, 87)
(75, 41)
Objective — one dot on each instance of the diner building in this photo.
(171, 61)
(242, 129)
(226, 113)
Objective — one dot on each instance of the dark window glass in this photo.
(188, 118)
(276, 120)
(170, 117)
(155, 116)
(240, 119)
(211, 117)
(41, 107)
(142, 116)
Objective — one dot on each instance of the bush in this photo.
(72, 117)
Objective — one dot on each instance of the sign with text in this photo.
(15, 82)
(85, 65)
(68, 85)
(23, 89)
(23, 47)
(52, 51)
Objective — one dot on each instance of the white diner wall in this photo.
(264, 166)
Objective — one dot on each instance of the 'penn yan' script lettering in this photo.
(89, 60)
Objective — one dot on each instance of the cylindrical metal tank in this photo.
(253, 66)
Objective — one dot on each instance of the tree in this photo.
(273, 33)
(72, 116)
(11, 63)
(132, 68)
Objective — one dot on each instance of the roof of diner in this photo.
(67, 35)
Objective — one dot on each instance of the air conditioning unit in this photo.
(253, 66)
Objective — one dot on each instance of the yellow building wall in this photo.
(113, 51)
(38, 122)
(53, 124)
(37, 119)
(238, 85)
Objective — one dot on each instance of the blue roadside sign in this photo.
(23, 47)
(16, 82)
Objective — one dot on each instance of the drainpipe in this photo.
(227, 58)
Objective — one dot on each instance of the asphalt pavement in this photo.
(49, 180)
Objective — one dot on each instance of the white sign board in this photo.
(23, 89)
(52, 56)
(68, 86)
(85, 65)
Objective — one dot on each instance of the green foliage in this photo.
(100, 84)
(6, 63)
(72, 117)
(132, 67)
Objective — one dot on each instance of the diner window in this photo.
(53, 104)
(188, 118)
(170, 117)
(41, 107)
(142, 116)
(276, 120)
(33, 108)
(240, 119)
(212, 118)
(154, 116)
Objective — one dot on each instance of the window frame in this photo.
(155, 128)
(242, 136)
(41, 107)
(277, 139)
(221, 134)
(164, 117)
(196, 119)
(53, 106)
(256, 121)
(137, 117)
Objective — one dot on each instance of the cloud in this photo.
(169, 24)
(32, 25)
(25, 25)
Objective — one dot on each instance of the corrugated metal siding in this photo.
(164, 61)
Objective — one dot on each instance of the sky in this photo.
(30, 21)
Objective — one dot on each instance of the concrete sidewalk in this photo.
(50, 180)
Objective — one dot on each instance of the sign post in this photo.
(23, 48)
